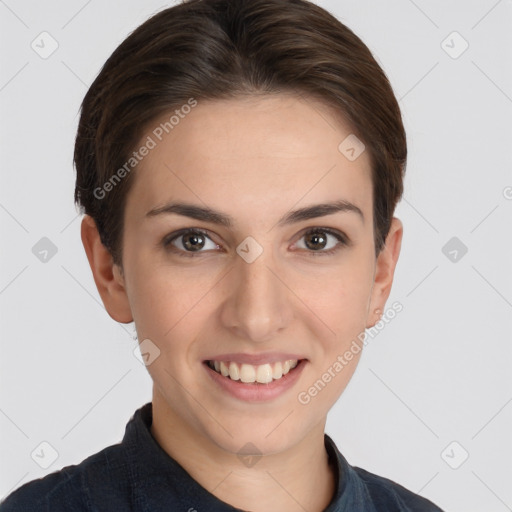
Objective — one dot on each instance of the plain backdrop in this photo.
(430, 405)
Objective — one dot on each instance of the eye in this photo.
(189, 241)
(322, 241)
(317, 242)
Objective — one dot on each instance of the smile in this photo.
(250, 374)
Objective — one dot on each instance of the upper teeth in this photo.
(248, 373)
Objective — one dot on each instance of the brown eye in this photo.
(193, 241)
(322, 241)
(189, 241)
(315, 241)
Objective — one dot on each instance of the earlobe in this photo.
(384, 272)
(107, 276)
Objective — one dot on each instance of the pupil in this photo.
(317, 239)
(193, 241)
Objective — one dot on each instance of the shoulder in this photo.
(70, 487)
(388, 496)
(358, 489)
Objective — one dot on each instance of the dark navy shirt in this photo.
(138, 475)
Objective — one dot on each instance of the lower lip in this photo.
(257, 392)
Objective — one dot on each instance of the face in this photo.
(252, 272)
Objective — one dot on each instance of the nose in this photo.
(258, 303)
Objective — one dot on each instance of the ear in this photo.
(107, 275)
(384, 272)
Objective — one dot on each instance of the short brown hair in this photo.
(218, 49)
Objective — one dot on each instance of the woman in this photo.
(239, 163)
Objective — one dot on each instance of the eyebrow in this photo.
(206, 214)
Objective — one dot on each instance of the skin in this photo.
(255, 159)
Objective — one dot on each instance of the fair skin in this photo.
(254, 159)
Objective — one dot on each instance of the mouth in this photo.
(255, 374)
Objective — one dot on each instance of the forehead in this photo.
(265, 152)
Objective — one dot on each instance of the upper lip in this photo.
(256, 359)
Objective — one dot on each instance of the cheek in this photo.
(168, 301)
(162, 305)
(341, 302)
(342, 295)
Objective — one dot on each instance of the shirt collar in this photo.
(158, 480)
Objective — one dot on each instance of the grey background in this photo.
(438, 373)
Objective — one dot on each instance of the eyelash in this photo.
(167, 241)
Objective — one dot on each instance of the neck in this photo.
(294, 480)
